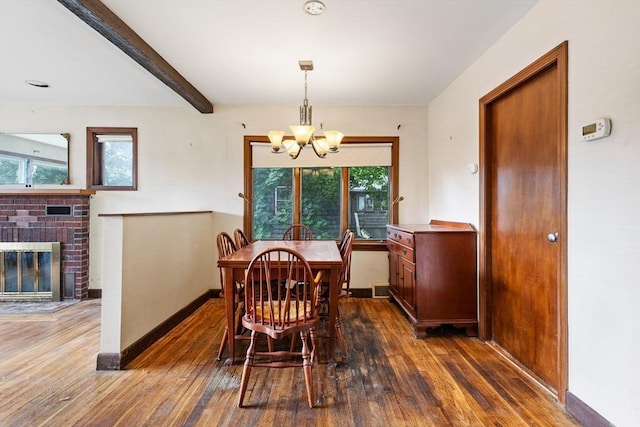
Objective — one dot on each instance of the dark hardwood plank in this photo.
(389, 378)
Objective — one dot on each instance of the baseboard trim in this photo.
(94, 294)
(115, 361)
(584, 413)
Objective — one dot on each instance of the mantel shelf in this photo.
(49, 192)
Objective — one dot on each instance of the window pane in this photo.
(44, 173)
(27, 272)
(9, 171)
(44, 271)
(272, 202)
(320, 208)
(118, 164)
(369, 201)
(10, 271)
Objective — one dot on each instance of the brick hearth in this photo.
(23, 219)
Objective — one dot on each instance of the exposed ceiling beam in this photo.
(103, 20)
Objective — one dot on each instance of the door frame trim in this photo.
(557, 57)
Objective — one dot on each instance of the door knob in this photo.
(552, 237)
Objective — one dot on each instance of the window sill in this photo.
(369, 245)
(111, 188)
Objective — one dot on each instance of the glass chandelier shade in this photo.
(304, 132)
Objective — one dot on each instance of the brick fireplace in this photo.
(52, 216)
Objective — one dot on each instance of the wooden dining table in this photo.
(322, 255)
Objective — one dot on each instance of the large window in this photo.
(323, 193)
(112, 158)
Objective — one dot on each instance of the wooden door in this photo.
(523, 236)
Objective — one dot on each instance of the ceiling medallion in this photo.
(314, 7)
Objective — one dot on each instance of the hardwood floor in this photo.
(48, 377)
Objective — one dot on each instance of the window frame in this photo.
(360, 245)
(95, 166)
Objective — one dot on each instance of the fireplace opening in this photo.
(30, 271)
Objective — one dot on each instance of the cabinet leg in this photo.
(419, 331)
(471, 331)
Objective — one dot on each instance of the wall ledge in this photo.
(49, 192)
(134, 214)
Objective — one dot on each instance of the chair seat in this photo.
(297, 311)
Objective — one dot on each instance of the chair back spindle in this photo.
(298, 232)
(226, 246)
(240, 238)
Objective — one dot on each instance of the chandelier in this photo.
(303, 133)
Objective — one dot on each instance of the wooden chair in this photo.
(279, 311)
(343, 238)
(226, 246)
(240, 238)
(344, 280)
(298, 232)
(346, 246)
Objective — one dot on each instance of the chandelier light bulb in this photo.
(320, 147)
(302, 134)
(334, 138)
(275, 137)
(294, 151)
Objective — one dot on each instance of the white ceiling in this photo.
(365, 52)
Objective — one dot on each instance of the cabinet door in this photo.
(407, 283)
(393, 272)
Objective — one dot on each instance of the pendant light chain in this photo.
(305, 110)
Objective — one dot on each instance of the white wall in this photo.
(155, 265)
(189, 161)
(603, 182)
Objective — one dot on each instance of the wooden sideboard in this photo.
(433, 274)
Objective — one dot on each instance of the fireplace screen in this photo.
(30, 271)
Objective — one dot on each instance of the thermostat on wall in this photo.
(596, 130)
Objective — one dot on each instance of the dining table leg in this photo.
(333, 311)
(229, 298)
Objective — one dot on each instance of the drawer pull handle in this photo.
(404, 251)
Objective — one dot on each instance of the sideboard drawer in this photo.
(402, 250)
(402, 237)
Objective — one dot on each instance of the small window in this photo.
(112, 156)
